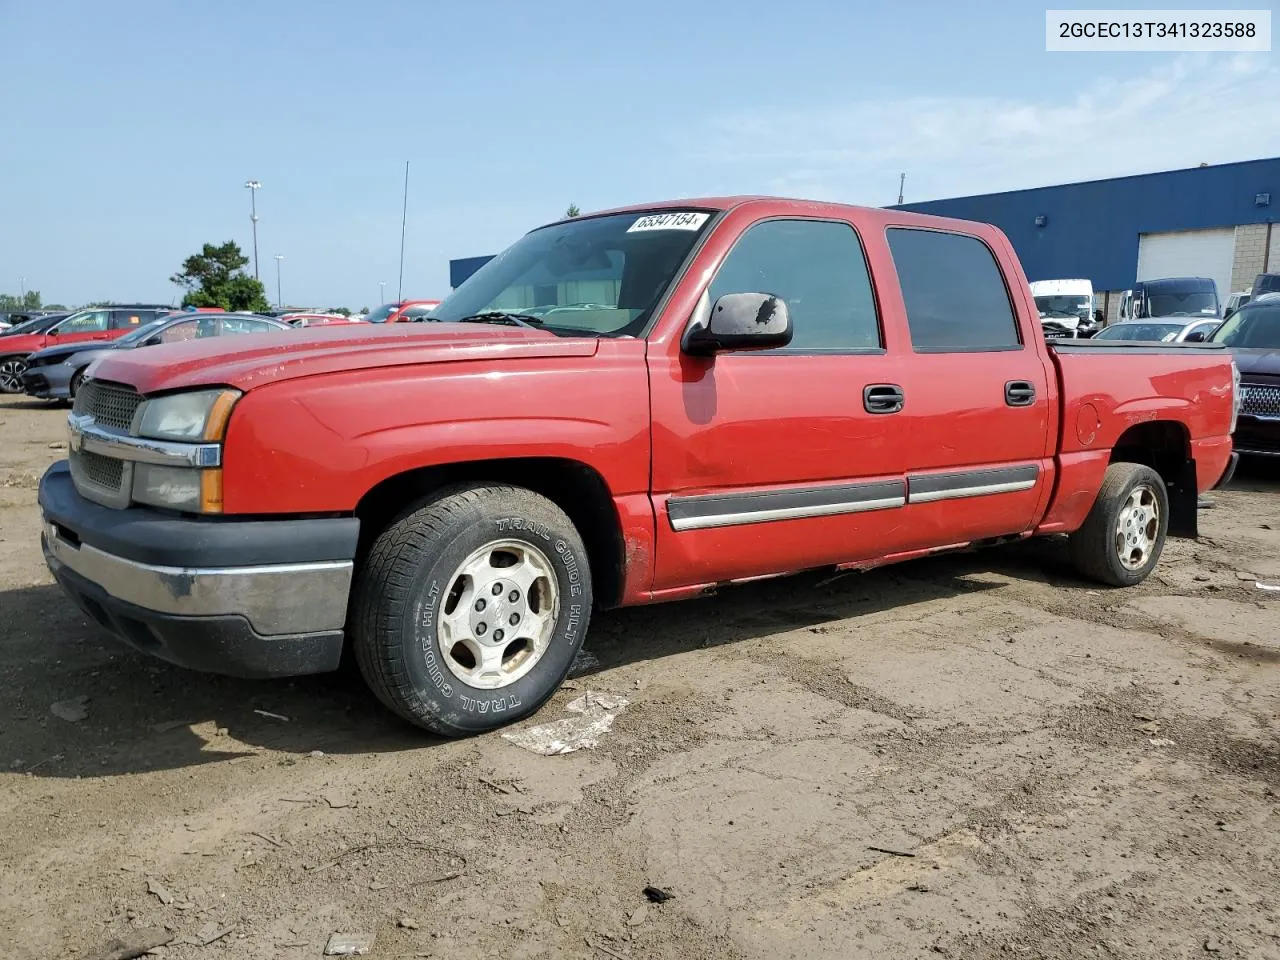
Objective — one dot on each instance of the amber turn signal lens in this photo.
(215, 427)
(211, 491)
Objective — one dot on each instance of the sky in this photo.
(131, 126)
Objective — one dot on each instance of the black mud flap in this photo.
(1183, 501)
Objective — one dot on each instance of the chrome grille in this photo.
(110, 404)
(1259, 401)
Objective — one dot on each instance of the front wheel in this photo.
(76, 379)
(469, 610)
(11, 370)
(1121, 540)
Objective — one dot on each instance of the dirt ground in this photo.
(1063, 771)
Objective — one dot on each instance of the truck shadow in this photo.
(144, 715)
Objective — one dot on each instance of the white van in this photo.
(1063, 305)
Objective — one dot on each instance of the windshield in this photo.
(1187, 304)
(1139, 331)
(1062, 306)
(594, 276)
(1254, 326)
(144, 331)
(380, 315)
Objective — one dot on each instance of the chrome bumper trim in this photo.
(287, 598)
(87, 435)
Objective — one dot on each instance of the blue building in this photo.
(1208, 221)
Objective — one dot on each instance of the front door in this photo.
(771, 461)
(89, 325)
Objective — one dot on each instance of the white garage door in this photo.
(1189, 253)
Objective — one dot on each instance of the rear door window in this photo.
(955, 295)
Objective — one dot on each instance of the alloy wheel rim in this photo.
(499, 614)
(1138, 527)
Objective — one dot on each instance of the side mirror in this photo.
(151, 341)
(1099, 317)
(1226, 314)
(739, 321)
(1196, 336)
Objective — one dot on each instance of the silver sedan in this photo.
(54, 373)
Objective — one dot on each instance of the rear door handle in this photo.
(1019, 393)
(882, 398)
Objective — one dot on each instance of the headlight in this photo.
(193, 417)
(177, 488)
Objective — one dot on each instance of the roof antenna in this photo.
(902, 179)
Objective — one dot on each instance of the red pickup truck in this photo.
(628, 407)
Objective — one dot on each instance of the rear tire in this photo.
(470, 608)
(1121, 540)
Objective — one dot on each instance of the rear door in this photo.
(979, 398)
(771, 461)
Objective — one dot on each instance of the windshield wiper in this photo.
(498, 316)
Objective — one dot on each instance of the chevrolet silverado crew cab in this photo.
(622, 408)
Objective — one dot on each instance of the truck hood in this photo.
(254, 360)
(1263, 360)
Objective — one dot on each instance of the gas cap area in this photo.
(1087, 424)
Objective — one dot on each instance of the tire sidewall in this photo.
(445, 698)
(1151, 479)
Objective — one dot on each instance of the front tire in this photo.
(77, 378)
(1121, 540)
(470, 608)
(11, 370)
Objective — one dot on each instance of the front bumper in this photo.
(1257, 436)
(51, 382)
(254, 598)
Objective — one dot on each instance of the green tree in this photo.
(345, 311)
(215, 277)
(573, 211)
(11, 304)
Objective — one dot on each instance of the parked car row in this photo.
(46, 355)
(56, 373)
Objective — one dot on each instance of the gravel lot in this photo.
(1075, 772)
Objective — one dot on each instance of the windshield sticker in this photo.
(669, 221)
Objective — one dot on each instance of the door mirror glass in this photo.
(740, 321)
(1195, 336)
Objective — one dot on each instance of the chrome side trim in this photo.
(286, 598)
(931, 487)
(792, 503)
(85, 434)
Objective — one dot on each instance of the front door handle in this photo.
(1019, 393)
(882, 398)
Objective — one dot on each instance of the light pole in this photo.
(382, 292)
(279, 299)
(253, 186)
(22, 288)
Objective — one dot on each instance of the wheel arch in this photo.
(575, 487)
(1165, 447)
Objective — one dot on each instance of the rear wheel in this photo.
(469, 609)
(1120, 542)
(11, 369)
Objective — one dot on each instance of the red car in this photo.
(96, 323)
(403, 311)
(693, 394)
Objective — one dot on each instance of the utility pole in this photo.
(382, 292)
(253, 186)
(22, 287)
(403, 217)
(279, 298)
(902, 181)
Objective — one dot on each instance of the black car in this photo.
(38, 323)
(1252, 334)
